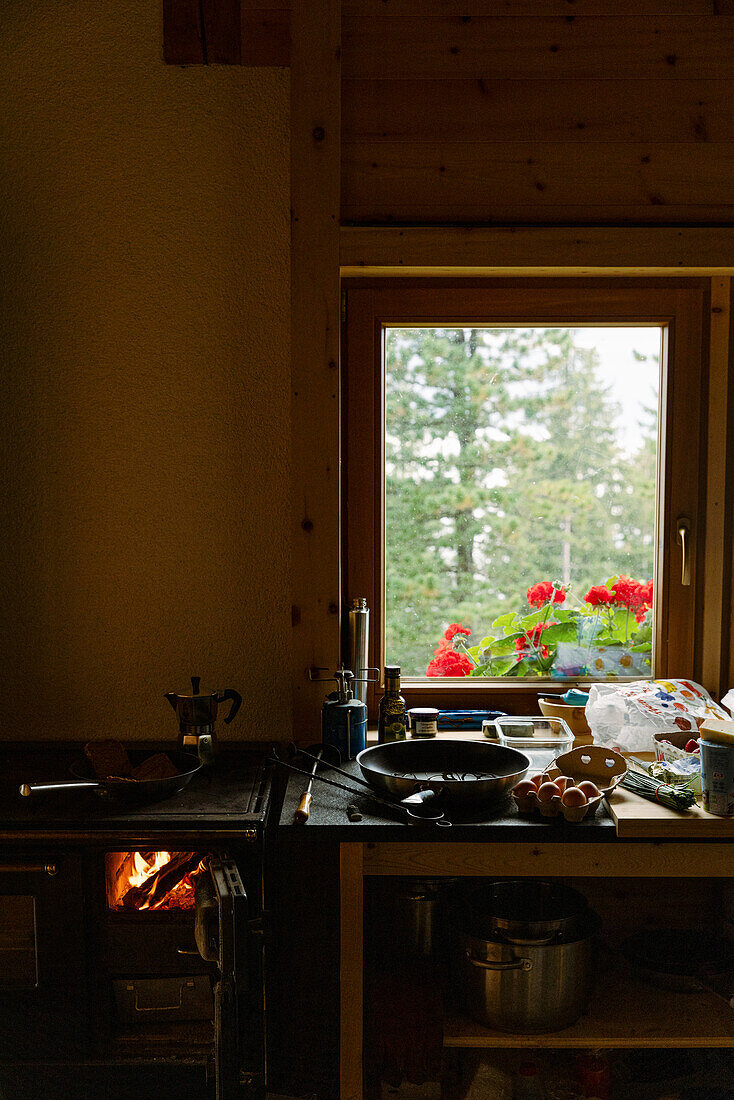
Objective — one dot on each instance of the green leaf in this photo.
(644, 634)
(522, 668)
(503, 667)
(527, 622)
(643, 647)
(559, 632)
(505, 622)
(564, 616)
(504, 645)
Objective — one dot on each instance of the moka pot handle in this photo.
(236, 703)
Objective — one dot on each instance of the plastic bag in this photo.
(625, 716)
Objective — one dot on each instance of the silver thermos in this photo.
(359, 630)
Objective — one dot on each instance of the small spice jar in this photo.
(424, 721)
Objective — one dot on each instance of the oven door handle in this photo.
(28, 869)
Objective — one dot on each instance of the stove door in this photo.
(43, 980)
(223, 937)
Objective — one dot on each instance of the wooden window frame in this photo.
(681, 304)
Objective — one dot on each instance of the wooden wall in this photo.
(538, 112)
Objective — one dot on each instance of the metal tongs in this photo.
(421, 807)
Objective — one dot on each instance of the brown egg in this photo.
(547, 791)
(525, 788)
(574, 796)
(590, 789)
(563, 781)
(537, 779)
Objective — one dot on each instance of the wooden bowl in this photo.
(575, 717)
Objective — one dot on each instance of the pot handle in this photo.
(487, 964)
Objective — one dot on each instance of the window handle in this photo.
(684, 538)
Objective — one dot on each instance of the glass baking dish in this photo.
(542, 739)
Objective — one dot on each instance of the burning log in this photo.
(155, 888)
(151, 880)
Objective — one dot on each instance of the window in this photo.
(519, 457)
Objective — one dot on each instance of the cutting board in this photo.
(638, 817)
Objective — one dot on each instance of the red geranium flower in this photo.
(544, 592)
(646, 601)
(533, 637)
(628, 593)
(599, 594)
(454, 629)
(448, 662)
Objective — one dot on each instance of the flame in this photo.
(180, 896)
(144, 870)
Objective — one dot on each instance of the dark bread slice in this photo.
(109, 758)
(159, 766)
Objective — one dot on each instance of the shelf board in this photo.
(621, 1014)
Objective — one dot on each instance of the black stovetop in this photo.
(235, 792)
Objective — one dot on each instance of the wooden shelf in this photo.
(624, 1014)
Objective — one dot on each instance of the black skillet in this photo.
(468, 776)
(125, 792)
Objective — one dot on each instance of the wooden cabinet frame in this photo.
(579, 860)
(683, 305)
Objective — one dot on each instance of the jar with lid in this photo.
(423, 721)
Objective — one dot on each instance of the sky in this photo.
(632, 383)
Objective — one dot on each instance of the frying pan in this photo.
(468, 775)
(126, 792)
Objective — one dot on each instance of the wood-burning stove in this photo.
(182, 961)
(115, 953)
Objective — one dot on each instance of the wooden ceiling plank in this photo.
(620, 47)
(540, 110)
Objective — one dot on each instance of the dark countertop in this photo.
(328, 820)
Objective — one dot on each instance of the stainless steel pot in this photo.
(528, 988)
(527, 911)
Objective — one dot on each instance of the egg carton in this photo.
(530, 802)
(604, 768)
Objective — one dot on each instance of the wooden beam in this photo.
(554, 251)
(222, 21)
(225, 32)
(522, 8)
(615, 859)
(537, 183)
(183, 39)
(315, 310)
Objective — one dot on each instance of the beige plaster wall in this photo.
(144, 342)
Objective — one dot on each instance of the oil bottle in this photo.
(392, 715)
